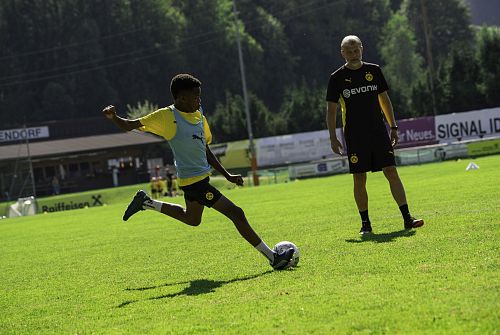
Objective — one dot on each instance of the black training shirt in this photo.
(357, 92)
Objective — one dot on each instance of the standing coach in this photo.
(361, 90)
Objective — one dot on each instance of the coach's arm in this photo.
(124, 124)
(331, 120)
(386, 105)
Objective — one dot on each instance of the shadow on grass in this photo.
(382, 238)
(196, 287)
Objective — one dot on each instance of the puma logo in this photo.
(196, 137)
(349, 80)
(148, 204)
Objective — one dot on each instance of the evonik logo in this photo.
(363, 89)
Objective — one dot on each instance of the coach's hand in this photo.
(235, 179)
(394, 137)
(109, 112)
(336, 146)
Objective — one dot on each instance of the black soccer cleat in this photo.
(366, 228)
(136, 204)
(413, 223)
(282, 260)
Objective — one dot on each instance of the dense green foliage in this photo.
(404, 65)
(488, 51)
(67, 59)
(88, 272)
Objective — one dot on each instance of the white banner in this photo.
(318, 169)
(24, 133)
(469, 125)
(295, 148)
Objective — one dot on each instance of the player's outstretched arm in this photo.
(214, 162)
(124, 124)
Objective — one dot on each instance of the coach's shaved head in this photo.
(352, 51)
(351, 40)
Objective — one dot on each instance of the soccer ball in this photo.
(284, 246)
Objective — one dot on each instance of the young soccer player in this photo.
(186, 129)
(361, 90)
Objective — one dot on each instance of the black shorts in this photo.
(202, 192)
(370, 154)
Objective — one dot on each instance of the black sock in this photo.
(405, 212)
(364, 216)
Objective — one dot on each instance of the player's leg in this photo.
(399, 195)
(361, 198)
(169, 188)
(175, 187)
(383, 159)
(237, 215)
(397, 189)
(205, 194)
(209, 196)
(360, 161)
(195, 196)
(360, 194)
(191, 215)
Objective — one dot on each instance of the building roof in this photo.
(77, 145)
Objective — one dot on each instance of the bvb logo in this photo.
(209, 195)
(346, 93)
(354, 159)
(368, 76)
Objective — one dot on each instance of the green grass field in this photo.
(87, 272)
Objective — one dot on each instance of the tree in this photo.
(141, 109)
(209, 48)
(304, 108)
(87, 54)
(270, 62)
(99, 52)
(448, 23)
(488, 55)
(228, 119)
(403, 65)
(57, 102)
(316, 28)
(440, 26)
(461, 75)
(228, 122)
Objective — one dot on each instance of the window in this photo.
(50, 171)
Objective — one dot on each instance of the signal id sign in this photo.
(468, 125)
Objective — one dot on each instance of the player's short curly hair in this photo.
(183, 82)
